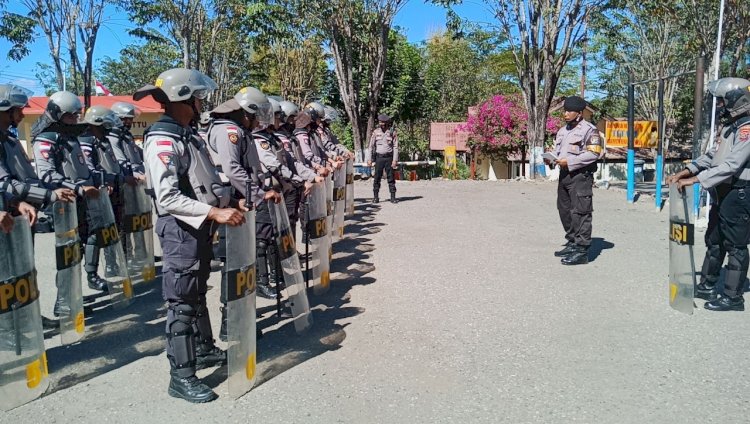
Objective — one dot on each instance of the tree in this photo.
(137, 63)
(542, 35)
(357, 35)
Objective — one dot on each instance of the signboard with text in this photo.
(646, 135)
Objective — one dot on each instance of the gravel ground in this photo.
(448, 307)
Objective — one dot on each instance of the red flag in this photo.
(101, 89)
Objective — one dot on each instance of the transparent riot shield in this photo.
(138, 234)
(339, 204)
(681, 240)
(23, 361)
(240, 292)
(68, 278)
(319, 239)
(295, 285)
(349, 188)
(112, 265)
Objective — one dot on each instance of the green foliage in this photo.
(137, 65)
(19, 31)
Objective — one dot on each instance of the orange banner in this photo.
(646, 135)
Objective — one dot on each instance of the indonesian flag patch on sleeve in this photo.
(167, 158)
(744, 134)
(44, 149)
(233, 134)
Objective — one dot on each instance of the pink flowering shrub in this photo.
(498, 128)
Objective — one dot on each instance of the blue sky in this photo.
(417, 19)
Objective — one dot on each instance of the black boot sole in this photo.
(739, 308)
(175, 394)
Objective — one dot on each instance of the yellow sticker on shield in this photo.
(250, 366)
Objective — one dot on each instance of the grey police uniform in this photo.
(100, 157)
(311, 151)
(302, 173)
(185, 186)
(383, 150)
(577, 144)
(16, 169)
(127, 153)
(725, 171)
(237, 159)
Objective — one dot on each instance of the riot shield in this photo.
(138, 235)
(240, 292)
(23, 361)
(68, 278)
(681, 240)
(349, 188)
(295, 285)
(339, 204)
(329, 215)
(113, 267)
(319, 239)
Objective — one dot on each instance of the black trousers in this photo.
(384, 163)
(575, 205)
(715, 253)
(186, 268)
(733, 235)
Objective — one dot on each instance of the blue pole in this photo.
(696, 200)
(659, 178)
(631, 139)
(660, 148)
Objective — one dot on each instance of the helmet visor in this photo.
(264, 113)
(14, 96)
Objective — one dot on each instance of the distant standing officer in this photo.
(383, 149)
(578, 146)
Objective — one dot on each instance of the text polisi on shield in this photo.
(241, 283)
(18, 292)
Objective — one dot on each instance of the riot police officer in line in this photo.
(15, 168)
(578, 146)
(333, 152)
(230, 133)
(383, 150)
(60, 162)
(189, 198)
(286, 134)
(725, 170)
(127, 153)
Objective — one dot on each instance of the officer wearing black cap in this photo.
(383, 149)
(578, 146)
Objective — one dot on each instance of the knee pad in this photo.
(92, 256)
(261, 253)
(738, 259)
(181, 335)
(202, 329)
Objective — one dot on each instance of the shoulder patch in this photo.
(166, 158)
(744, 133)
(233, 134)
(164, 145)
(265, 145)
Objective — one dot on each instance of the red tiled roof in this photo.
(445, 134)
(147, 105)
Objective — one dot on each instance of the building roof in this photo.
(447, 134)
(37, 105)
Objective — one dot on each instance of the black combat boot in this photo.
(375, 198)
(706, 290)
(265, 291)
(580, 256)
(567, 250)
(207, 355)
(97, 283)
(57, 310)
(726, 303)
(393, 198)
(183, 384)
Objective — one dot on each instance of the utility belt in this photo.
(384, 155)
(588, 171)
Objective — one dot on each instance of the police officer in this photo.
(230, 134)
(578, 146)
(725, 171)
(189, 199)
(60, 162)
(15, 167)
(383, 149)
(303, 176)
(127, 152)
(101, 157)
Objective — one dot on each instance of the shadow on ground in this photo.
(115, 338)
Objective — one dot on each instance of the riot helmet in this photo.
(100, 116)
(178, 85)
(13, 96)
(331, 114)
(205, 119)
(733, 97)
(289, 110)
(125, 110)
(61, 103)
(277, 112)
(253, 101)
(316, 110)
